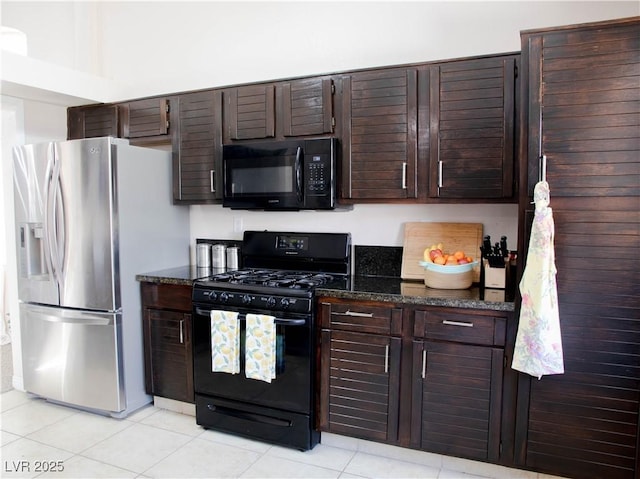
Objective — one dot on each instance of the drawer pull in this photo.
(182, 331)
(386, 359)
(457, 323)
(355, 313)
(424, 363)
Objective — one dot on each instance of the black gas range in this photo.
(265, 289)
(280, 272)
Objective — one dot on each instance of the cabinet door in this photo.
(170, 365)
(583, 112)
(379, 140)
(250, 112)
(198, 150)
(92, 122)
(360, 385)
(585, 422)
(307, 107)
(472, 128)
(456, 399)
(145, 118)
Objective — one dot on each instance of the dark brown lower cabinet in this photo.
(457, 390)
(456, 401)
(360, 369)
(167, 341)
(429, 378)
(361, 374)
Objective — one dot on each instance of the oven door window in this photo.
(291, 388)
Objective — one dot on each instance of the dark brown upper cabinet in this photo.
(146, 118)
(582, 112)
(249, 112)
(301, 107)
(197, 152)
(379, 137)
(92, 121)
(306, 107)
(471, 127)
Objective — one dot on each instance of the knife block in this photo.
(495, 278)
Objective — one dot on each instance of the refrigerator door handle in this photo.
(55, 219)
(48, 215)
(60, 226)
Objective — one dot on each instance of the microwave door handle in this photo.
(299, 173)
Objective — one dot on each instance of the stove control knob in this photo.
(284, 303)
(271, 301)
(224, 297)
(212, 296)
(246, 299)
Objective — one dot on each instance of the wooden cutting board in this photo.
(454, 236)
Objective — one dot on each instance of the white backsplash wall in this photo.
(373, 225)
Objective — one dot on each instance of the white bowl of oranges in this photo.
(447, 270)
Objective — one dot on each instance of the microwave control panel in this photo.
(318, 175)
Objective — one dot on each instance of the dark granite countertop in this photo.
(368, 288)
(396, 290)
(184, 275)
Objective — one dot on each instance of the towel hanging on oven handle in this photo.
(243, 317)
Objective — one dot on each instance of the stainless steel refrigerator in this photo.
(90, 215)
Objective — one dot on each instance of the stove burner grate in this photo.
(273, 278)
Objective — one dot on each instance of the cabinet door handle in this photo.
(354, 313)
(404, 175)
(386, 359)
(542, 175)
(212, 180)
(424, 363)
(457, 323)
(182, 331)
(440, 179)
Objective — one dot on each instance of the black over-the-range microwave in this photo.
(281, 175)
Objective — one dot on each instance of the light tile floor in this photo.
(160, 443)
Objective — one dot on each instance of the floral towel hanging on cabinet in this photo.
(538, 348)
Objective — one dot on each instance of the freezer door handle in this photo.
(70, 316)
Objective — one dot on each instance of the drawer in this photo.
(365, 318)
(463, 328)
(176, 297)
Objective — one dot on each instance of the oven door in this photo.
(292, 386)
(265, 176)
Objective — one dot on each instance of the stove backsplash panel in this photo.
(378, 261)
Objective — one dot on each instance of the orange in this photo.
(459, 254)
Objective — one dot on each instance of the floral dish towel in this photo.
(225, 342)
(260, 347)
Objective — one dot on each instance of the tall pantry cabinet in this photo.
(581, 131)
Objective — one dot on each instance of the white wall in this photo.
(368, 224)
(178, 46)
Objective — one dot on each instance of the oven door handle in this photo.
(243, 317)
